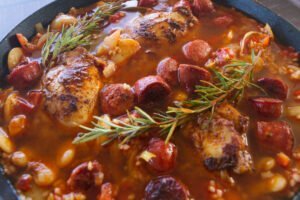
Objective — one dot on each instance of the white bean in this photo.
(63, 21)
(19, 159)
(266, 164)
(66, 157)
(277, 183)
(17, 125)
(42, 175)
(5, 143)
(9, 105)
(14, 57)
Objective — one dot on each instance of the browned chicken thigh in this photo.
(222, 140)
(162, 26)
(71, 88)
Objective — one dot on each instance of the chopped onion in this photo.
(294, 111)
(147, 156)
(40, 28)
(268, 30)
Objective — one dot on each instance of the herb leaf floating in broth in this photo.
(229, 85)
(79, 34)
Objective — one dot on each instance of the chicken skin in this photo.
(222, 140)
(71, 88)
(162, 26)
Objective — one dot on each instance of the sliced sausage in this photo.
(202, 7)
(168, 69)
(115, 99)
(165, 155)
(190, 75)
(25, 76)
(85, 176)
(42, 175)
(223, 21)
(151, 89)
(166, 188)
(274, 87)
(197, 51)
(147, 3)
(267, 107)
(276, 136)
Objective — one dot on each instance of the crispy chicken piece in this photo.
(241, 122)
(72, 87)
(222, 140)
(160, 26)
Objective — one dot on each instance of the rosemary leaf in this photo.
(229, 85)
(78, 34)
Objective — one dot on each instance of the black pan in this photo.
(284, 31)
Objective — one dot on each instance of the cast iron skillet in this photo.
(284, 31)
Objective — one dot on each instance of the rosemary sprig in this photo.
(79, 34)
(228, 85)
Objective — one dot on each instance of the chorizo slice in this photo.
(116, 99)
(151, 89)
(147, 3)
(274, 87)
(202, 7)
(191, 75)
(25, 76)
(164, 158)
(166, 187)
(86, 176)
(168, 69)
(276, 136)
(196, 51)
(267, 107)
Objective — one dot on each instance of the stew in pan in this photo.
(154, 100)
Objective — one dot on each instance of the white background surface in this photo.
(12, 12)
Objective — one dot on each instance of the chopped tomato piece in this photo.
(282, 159)
(35, 97)
(22, 106)
(24, 183)
(25, 44)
